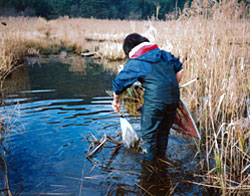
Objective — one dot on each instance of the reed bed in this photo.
(212, 41)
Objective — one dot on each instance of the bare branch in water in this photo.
(102, 142)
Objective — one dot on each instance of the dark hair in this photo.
(131, 41)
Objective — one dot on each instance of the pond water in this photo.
(56, 105)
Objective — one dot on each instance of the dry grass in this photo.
(212, 40)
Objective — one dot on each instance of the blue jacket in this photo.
(156, 70)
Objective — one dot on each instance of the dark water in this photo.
(56, 106)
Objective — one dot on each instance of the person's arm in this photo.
(174, 61)
(130, 74)
(179, 75)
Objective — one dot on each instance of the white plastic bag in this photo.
(129, 136)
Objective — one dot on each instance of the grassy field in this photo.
(213, 44)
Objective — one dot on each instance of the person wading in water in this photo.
(160, 73)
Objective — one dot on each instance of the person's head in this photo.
(131, 41)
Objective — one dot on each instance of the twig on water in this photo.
(90, 147)
(143, 189)
(172, 190)
(94, 137)
(102, 142)
(97, 144)
(113, 141)
(93, 167)
(164, 161)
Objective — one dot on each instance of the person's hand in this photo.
(116, 104)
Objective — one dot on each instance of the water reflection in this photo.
(60, 104)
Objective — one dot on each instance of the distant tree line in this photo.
(103, 9)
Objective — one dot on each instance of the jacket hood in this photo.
(153, 56)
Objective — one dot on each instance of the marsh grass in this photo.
(9, 124)
(212, 40)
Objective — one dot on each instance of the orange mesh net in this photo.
(183, 122)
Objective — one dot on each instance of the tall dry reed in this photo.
(216, 48)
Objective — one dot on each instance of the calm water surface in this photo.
(59, 104)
